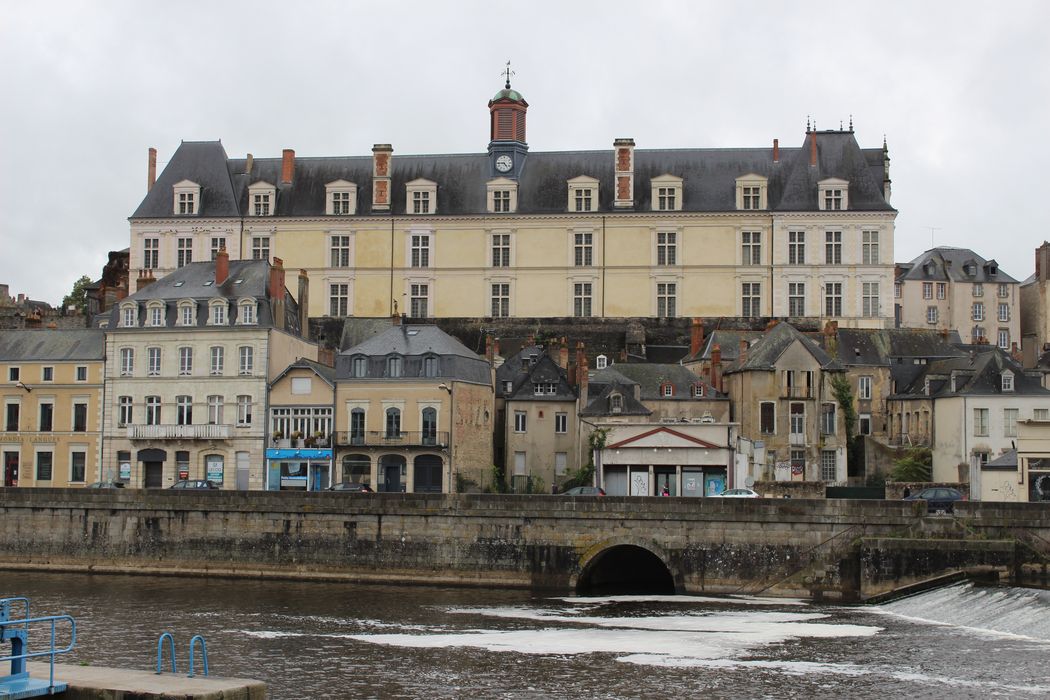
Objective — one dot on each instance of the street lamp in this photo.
(451, 426)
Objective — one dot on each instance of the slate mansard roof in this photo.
(709, 179)
(946, 263)
(52, 345)
(414, 343)
(196, 281)
(976, 374)
(528, 367)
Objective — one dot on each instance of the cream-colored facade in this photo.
(50, 427)
(1033, 461)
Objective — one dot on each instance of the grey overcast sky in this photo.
(960, 89)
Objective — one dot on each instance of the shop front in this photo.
(298, 469)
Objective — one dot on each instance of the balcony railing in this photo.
(178, 432)
(381, 438)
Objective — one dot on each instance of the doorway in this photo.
(391, 469)
(10, 469)
(154, 472)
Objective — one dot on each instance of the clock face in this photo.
(504, 163)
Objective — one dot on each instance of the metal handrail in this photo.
(204, 653)
(52, 652)
(160, 651)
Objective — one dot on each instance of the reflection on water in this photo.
(312, 640)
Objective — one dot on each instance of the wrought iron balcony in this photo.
(382, 438)
(178, 432)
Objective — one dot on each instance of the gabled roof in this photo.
(326, 373)
(658, 437)
(544, 371)
(651, 377)
(766, 351)
(1007, 461)
(598, 401)
(52, 345)
(946, 263)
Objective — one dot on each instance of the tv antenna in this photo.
(932, 229)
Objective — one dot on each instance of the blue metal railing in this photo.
(171, 647)
(204, 653)
(16, 631)
(160, 651)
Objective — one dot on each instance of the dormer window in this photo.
(698, 391)
(217, 312)
(129, 315)
(359, 367)
(155, 311)
(187, 313)
(393, 366)
(667, 390)
(261, 199)
(340, 198)
(667, 193)
(502, 195)
(751, 192)
(615, 403)
(187, 198)
(430, 367)
(601, 362)
(246, 312)
(833, 195)
(421, 197)
(1007, 380)
(583, 194)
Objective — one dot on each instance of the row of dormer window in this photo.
(502, 196)
(154, 313)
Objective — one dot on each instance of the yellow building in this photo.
(51, 393)
(626, 232)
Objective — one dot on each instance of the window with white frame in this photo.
(215, 406)
(978, 334)
(153, 414)
(341, 198)
(833, 247)
(500, 250)
(931, 314)
(246, 355)
(500, 300)
(129, 316)
(218, 360)
(927, 290)
(217, 317)
(47, 374)
(81, 373)
(796, 299)
(394, 364)
(150, 253)
(796, 247)
(431, 366)
(666, 299)
(544, 388)
(583, 199)
(767, 412)
(980, 422)
(942, 290)
(185, 361)
(751, 192)
(187, 198)
(978, 289)
(667, 390)
(828, 467)
(260, 247)
(419, 300)
(359, 366)
(520, 421)
(339, 247)
(870, 247)
(244, 410)
(1010, 422)
(870, 299)
(833, 195)
(420, 250)
(698, 391)
(751, 248)
(1041, 414)
(152, 362)
(1003, 338)
(127, 362)
(666, 248)
(751, 299)
(1007, 378)
(217, 243)
(501, 201)
(833, 299)
(1004, 290)
(601, 362)
(582, 194)
(261, 197)
(583, 252)
(183, 410)
(1004, 312)
(561, 422)
(827, 418)
(187, 313)
(155, 314)
(338, 299)
(246, 312)
(977, 312)
(751, 197)
(581, 299)
(666, 193)
(184, 252)
(864, 388)
(125, 411)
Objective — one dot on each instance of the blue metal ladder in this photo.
(16, 630)
(171, 647)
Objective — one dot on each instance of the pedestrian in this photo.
(666, 491)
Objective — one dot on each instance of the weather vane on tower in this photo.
(507, 72)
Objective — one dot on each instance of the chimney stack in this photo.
(381, 153)
(776, 150)
(696, 338)
(813, 148)
(488, 348)
(287, 166)
(248, 162)
(276, 292)
(584, 379)
(716, 367)
(887, 190)
(222, 266)
(563, 354)
(145, 279)
(624, 173)
(303, 300)
(151, 176)
(743, 351)
(1042, 262)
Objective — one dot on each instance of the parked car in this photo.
(938, 498)
(194, 484)
(585, 491)
(106, 485)
(350, 486)
(739, 493)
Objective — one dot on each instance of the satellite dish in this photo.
(749, 481)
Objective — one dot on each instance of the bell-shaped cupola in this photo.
(507, 144)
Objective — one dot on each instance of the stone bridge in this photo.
(833, 549)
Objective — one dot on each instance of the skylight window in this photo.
(209, 283)
(179, 283)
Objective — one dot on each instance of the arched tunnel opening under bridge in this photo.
(625, 570)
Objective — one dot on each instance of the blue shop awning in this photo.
(299, 453)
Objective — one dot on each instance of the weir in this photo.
(820, 549)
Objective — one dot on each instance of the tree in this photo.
(78, 297)
(843, 392)
(915, 465)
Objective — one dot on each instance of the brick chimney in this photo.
(276, 292)
(776, 150)
(584, 379)
(624, 198)
(381, 167)
(489, 356)
(1042, 262)
(813, 148)
(303, 300)
(222, 266)
(743, 351)
(151, 169)
(530, 340)
(145, 279)
(563, 354)
(248, 163)
(716, 367)
(287, 166)
(696, 337)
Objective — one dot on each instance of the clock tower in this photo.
(507, 146)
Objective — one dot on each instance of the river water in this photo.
(322, 640)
